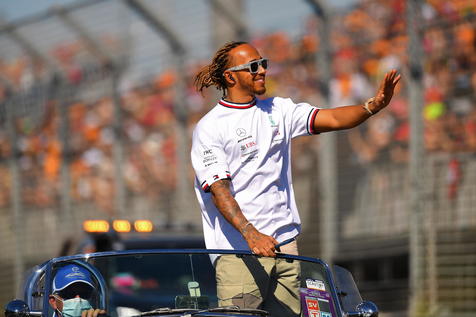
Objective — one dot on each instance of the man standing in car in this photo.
(241, 157)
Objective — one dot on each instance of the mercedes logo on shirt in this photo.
(240, 132)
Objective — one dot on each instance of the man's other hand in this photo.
(259, 243)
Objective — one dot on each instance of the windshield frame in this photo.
(85, 257)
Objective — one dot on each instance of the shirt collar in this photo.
(234, 105)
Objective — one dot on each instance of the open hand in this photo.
(385, 91)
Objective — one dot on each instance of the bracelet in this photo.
(366, 105)
(246, 225)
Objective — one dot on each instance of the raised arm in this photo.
(259, 243)
(347, 117)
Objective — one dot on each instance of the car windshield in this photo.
(172, 282)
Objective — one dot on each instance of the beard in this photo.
(260, 91)
(259, 88)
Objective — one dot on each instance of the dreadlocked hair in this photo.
(212, 75)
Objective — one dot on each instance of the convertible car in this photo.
(182, 283)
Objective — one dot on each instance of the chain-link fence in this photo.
(97, 109)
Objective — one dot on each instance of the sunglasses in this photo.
(252, 67)
(83, 290)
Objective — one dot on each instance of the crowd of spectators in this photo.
(449, 46)
(366, 41)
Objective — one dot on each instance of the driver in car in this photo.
(73, 290)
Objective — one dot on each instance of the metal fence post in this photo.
(118, 145)
(415, 90)
(15, 194)
(181, 111)
(327, 148)
(67, 216)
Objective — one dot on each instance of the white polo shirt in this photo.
(251, 145)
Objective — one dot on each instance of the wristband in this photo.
(366, 105)
(246, 225)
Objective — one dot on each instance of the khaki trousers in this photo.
(260, 282)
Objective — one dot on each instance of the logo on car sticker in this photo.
(312, 307)
(315, 284)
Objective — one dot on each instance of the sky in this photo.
(15, 9)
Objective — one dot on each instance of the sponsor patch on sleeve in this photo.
(209, 158)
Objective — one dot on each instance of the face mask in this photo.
(73, 307)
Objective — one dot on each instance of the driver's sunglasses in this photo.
(84, 291)
(252, 67)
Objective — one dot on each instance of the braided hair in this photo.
(212, 75)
